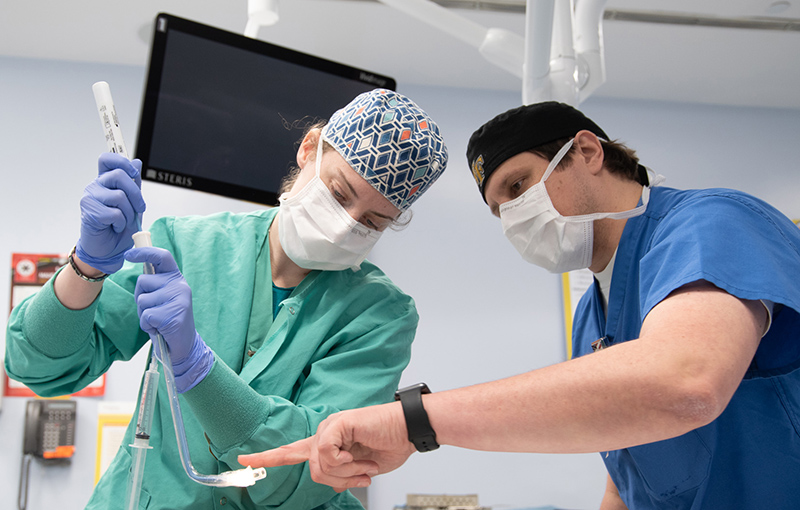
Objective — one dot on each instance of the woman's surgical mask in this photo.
(546, 238)
(316, 232)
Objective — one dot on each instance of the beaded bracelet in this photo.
(78, 271)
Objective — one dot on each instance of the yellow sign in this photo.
(112, 422)
(573, 285)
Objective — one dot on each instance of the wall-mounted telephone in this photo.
(49, 436)
(50, 429)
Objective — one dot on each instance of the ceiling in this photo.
(697, 64)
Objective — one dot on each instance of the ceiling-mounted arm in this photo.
(563, 64)
(536, 62)
(260, 13)
(501, 47)
(589, 45)
(449, 22)
(554, 63)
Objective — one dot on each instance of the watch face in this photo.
(421, 387)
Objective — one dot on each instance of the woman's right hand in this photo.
(110, 209)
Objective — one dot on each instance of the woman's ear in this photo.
(589, 150)
(308, 147)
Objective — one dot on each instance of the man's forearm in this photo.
(694, 349)
(601, 402)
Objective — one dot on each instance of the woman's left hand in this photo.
(164, 305)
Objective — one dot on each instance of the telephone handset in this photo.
(50, 429)
(49, 435)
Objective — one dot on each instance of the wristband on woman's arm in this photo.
(78, 272)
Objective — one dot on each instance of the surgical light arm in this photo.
(560, 57)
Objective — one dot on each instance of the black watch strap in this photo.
(419, 427)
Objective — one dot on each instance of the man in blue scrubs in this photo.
(686, 376)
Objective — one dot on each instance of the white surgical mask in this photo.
(546, 238)
(316, 232)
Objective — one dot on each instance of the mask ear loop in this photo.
(654, 180)
(317, 165)
(557, 159)
(318, 162)
(549, 170)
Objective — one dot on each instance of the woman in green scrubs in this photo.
(274, 319)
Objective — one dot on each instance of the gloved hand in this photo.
(164, 304)
(110, 207)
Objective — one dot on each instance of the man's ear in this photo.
(308, 147)
(589, 150)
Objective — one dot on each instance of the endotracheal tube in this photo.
(239, 478)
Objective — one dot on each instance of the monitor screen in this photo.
(223, 113)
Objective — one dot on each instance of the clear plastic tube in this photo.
(239, 478)
(147, 402)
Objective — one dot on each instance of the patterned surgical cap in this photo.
(390, 142)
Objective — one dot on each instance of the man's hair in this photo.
(617, 157)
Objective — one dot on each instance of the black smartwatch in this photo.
(419, 428)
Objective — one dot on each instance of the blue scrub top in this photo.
(749, 457)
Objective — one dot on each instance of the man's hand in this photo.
(348, 449)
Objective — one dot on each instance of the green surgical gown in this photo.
(339, 341)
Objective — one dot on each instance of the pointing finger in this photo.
(286, 455)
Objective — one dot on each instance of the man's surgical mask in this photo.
(316, 232)
(546, 238)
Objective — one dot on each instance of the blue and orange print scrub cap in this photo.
(391, 142)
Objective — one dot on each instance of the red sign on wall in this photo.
(29, 272)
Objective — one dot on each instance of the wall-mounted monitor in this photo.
(222, 112)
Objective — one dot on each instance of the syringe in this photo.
(141, 442)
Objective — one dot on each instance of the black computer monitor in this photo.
(222, 113)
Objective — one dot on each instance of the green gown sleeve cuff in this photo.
(73, 330)
(229, 410)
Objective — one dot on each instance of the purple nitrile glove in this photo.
(164, 304)
(110, 208)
